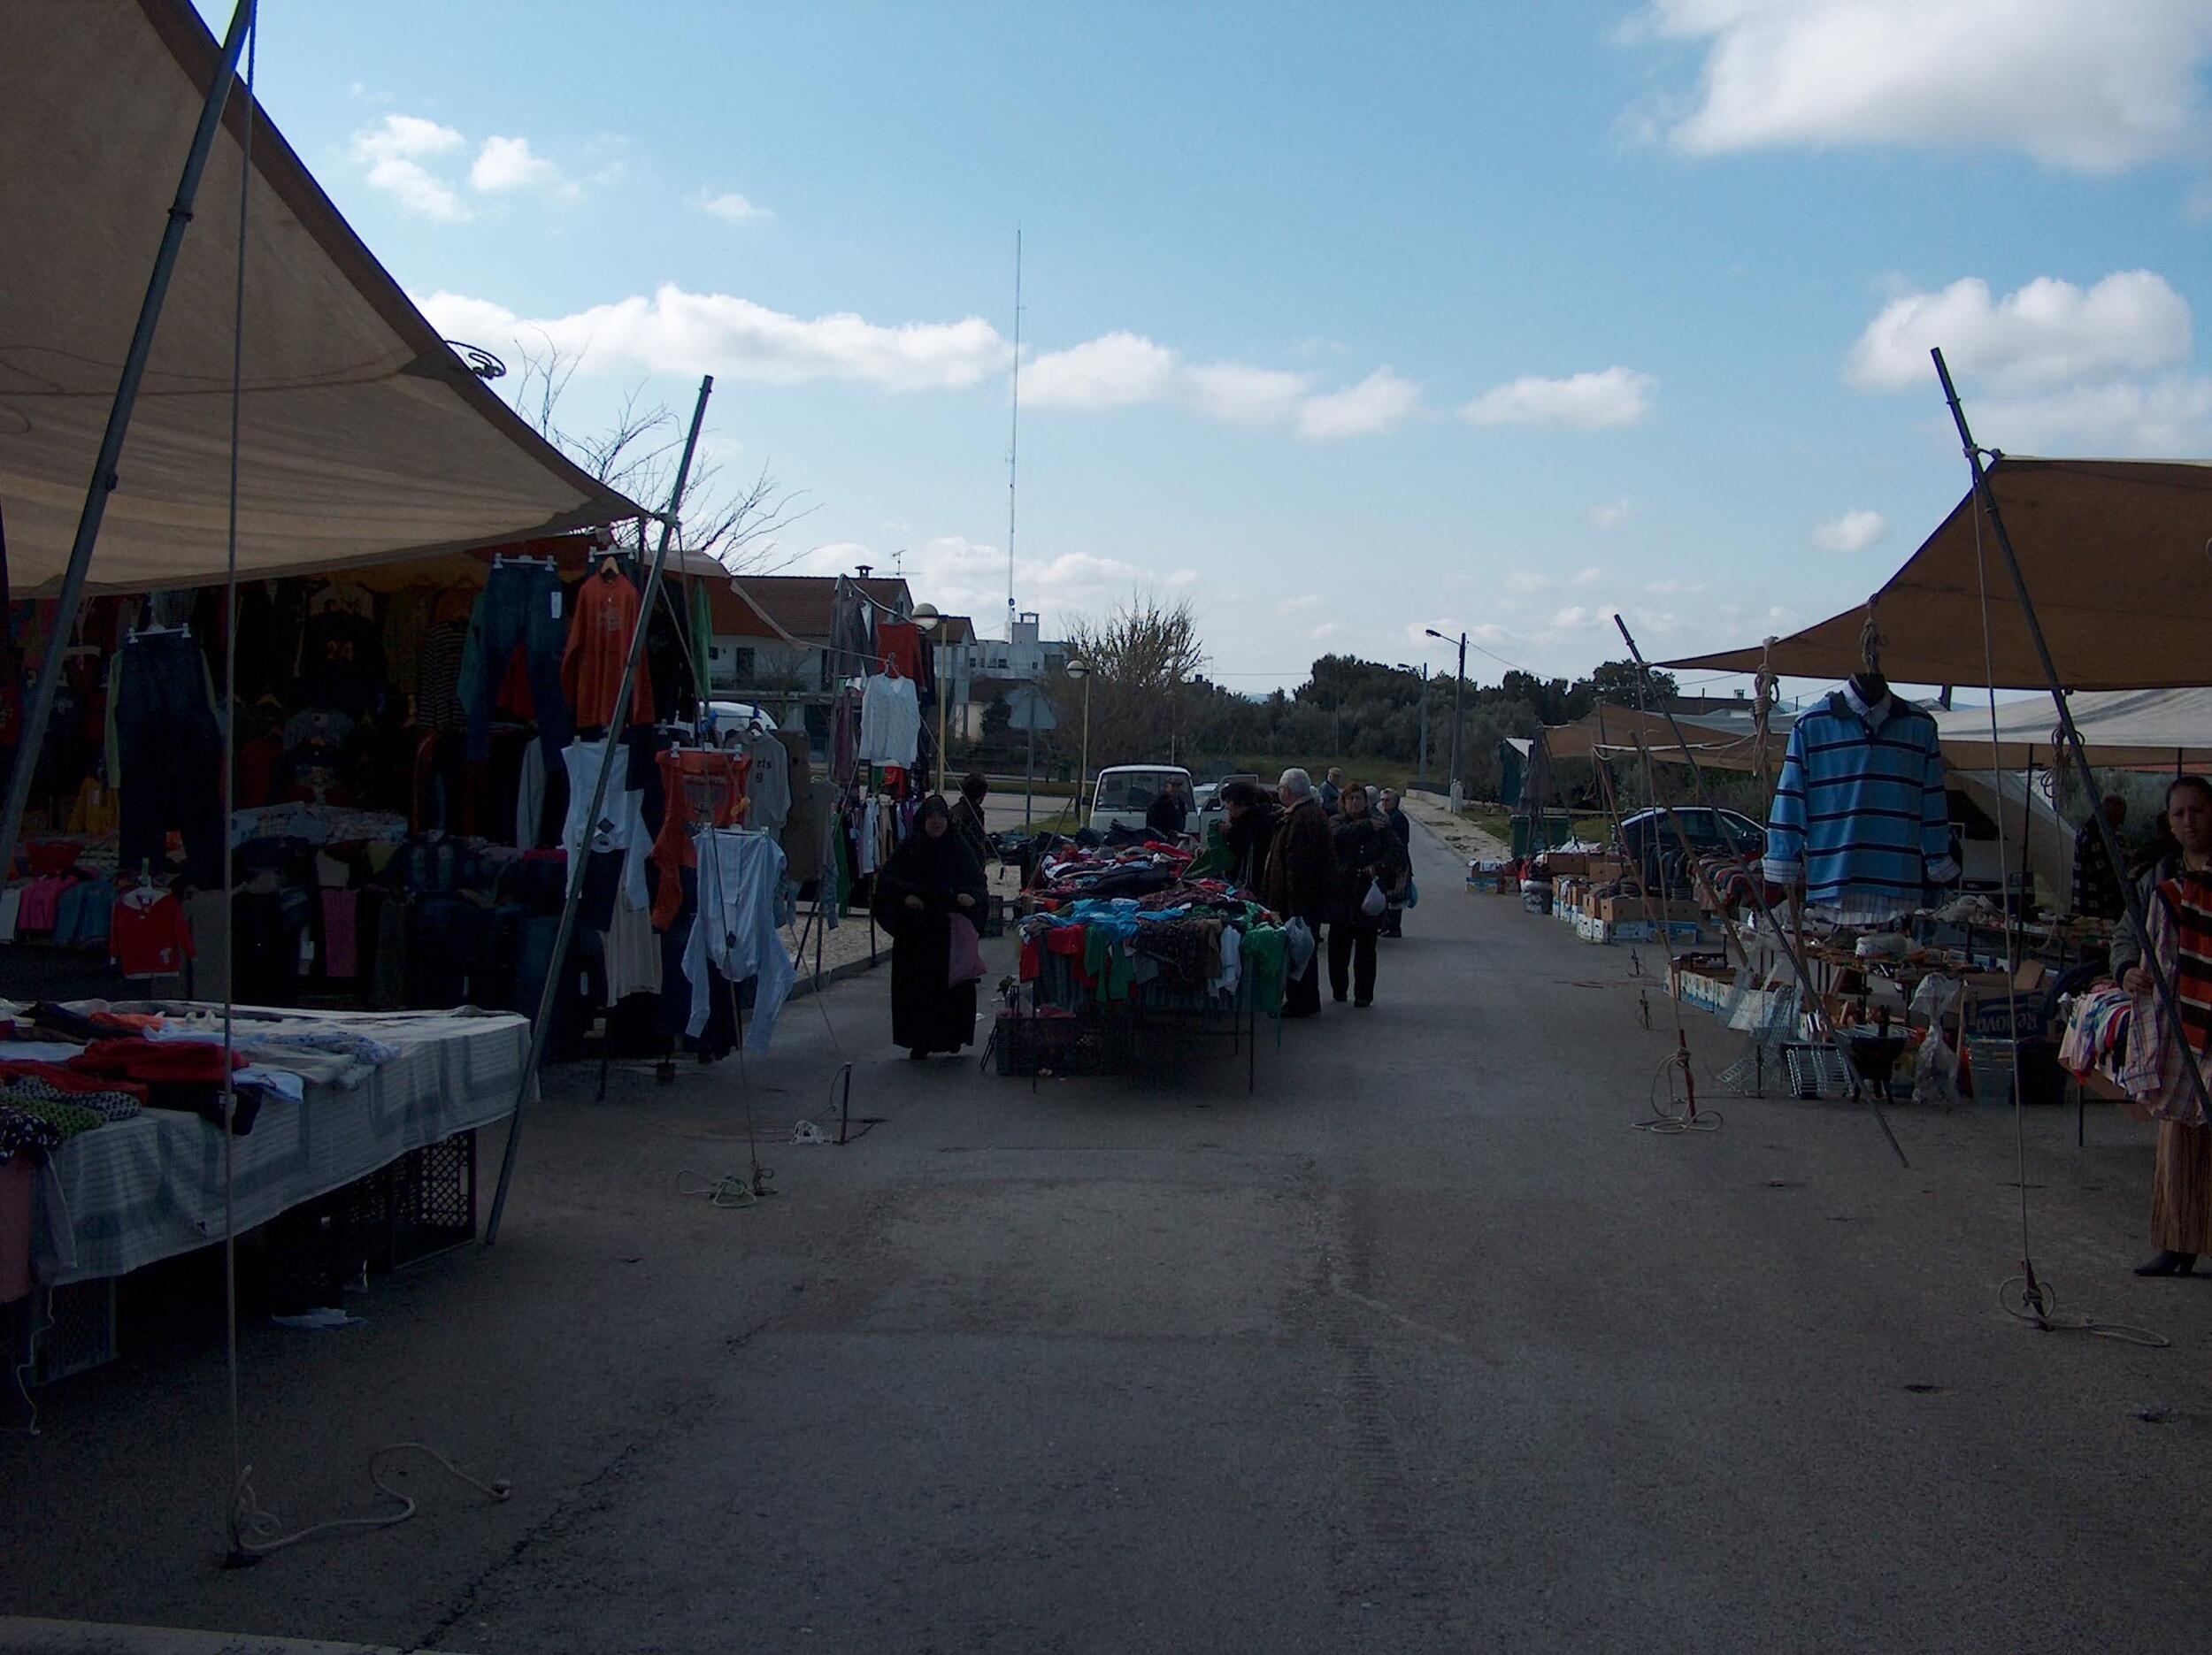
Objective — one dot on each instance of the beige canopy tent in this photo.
(364, 437)
(2120, 729)
(1613, 732)
(2115, 552)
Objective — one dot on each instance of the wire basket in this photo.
(1033, 1045)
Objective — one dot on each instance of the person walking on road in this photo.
(1366, 854)
(1401, 826)
(1299, 880)
(930, 890)
(1168, 814)
(967, 817)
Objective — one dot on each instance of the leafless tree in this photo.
(739, 526)
(1142, 658)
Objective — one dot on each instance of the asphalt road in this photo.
(1419, 1347)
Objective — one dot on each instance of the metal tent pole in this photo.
(556, 972)
(2138, 911)
(105, 477)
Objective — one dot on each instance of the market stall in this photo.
(1122, 937)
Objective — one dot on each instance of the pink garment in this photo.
(342, 946)
(42, 903)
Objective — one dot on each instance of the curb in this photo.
(30, 1636)
(832, 975)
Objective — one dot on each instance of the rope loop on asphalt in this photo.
(2035, 1303)
(255, 1533)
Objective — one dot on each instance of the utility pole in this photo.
(1424, 723)
(1459, 691)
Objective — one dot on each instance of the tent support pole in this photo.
(105, 478)
(556, 973)
(1813, 1009)
(2138, 911)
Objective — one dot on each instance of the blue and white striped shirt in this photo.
(1860, 811)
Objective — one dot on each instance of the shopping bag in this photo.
(1413, 894)
(964, 962)
(1375, 901)
(1298, 949)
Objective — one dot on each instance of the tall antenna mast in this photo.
(1014, 442)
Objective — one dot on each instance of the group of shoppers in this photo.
(1331, 856)
(1335, 857)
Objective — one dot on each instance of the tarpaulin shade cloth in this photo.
(364, 436)
(1612, 733)
(2121, 728)
(2116, 556)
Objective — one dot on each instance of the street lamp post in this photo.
(1459, 688)
(926, 621)
(1079, 670)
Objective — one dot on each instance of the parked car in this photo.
(1124, 793)
(1651, 841)
(1209, 795)
(724, 716)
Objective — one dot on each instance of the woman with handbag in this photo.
(1369, 862)
(929, 896)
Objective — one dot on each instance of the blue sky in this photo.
(1340, 322)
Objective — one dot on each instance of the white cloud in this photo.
(505, 163)
(677, 332)
(1584, 401)
(1671, 587)
(1374, 405)
(1589, 577)
(2167, 418)
(1488, 632)
(1852, 531)
(730, 206)
(393, 151)
(1181, 579)
(1127, 369)
(1526, 580)
(2046, 332)
(1327, 629)
(2091, 86)
(1575, 615)
(1297, 605)
(1609, 516)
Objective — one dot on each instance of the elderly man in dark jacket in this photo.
(1299, 880)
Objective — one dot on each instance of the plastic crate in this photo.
(420, 1204)
(1084, 1044)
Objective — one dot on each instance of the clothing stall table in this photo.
(152, 1187)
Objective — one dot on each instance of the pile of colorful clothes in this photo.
(2097, 1027)
(1127, 924)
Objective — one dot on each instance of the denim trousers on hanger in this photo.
(171, 754)
(521, 609)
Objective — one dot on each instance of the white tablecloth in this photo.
(149, 1187)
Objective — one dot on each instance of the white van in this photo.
(1126, 791)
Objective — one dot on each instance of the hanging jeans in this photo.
(171, 753)
(521, 609)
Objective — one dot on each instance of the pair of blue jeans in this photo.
(522, 608)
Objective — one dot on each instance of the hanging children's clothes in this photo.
(598, 649)
(740, 874)
(1859, 809)
(620, 824)
(149, 936)
(890, 722)
(704, 789)
(769, 785)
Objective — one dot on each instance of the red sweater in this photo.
(598, 646)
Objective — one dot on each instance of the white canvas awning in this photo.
(2114, 553)
(364, 437)
(2120, 729)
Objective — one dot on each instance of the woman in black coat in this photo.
(1367, 853)
(931, 877)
